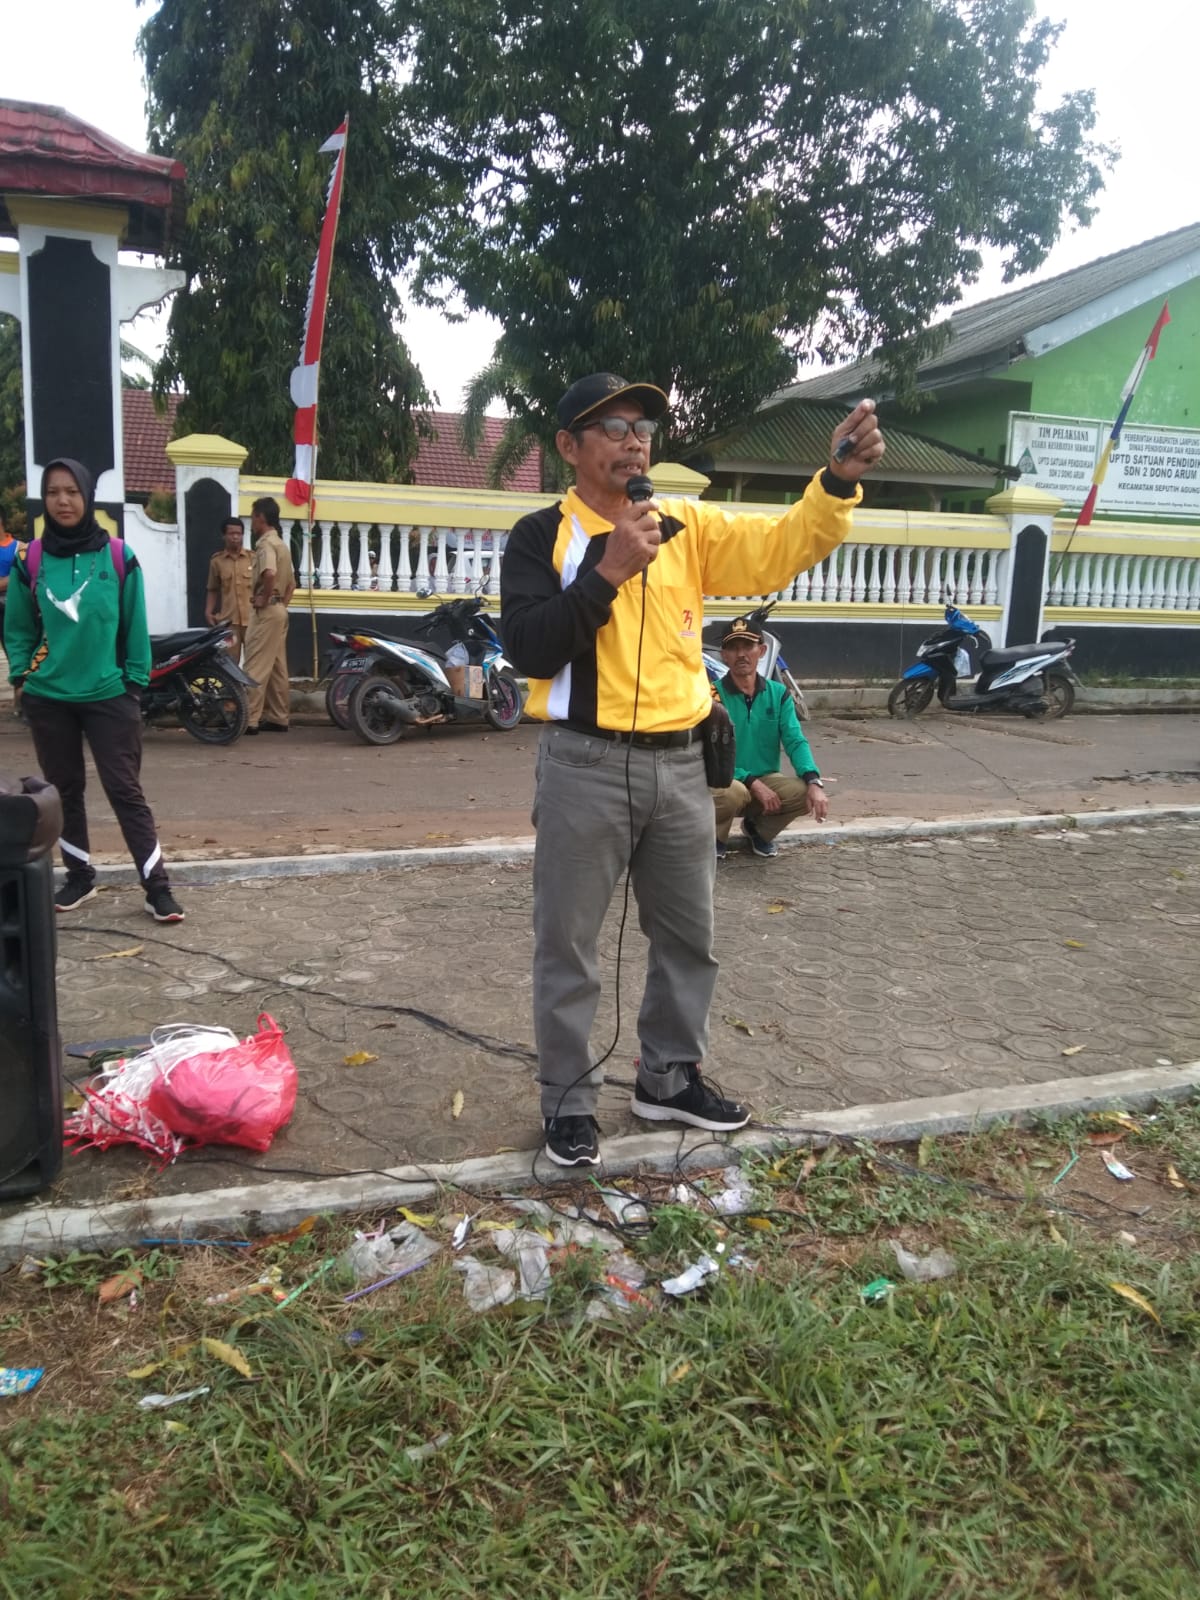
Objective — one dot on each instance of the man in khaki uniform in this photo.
(272, 586)
(230, 580)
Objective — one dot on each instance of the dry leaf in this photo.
(1056, 1236)
(144, 1372)
(681, 1371)
(1136, 1299)
(1113, 1136)
(72, 1101)
(359, 1058)
(456, 1105)
(762, 1223)
(417, 1220)
(229, 1354)
(924, 1149)
(120, 1285)
(742, 1027)
(777, 906)
(810, 1162)
(1174, 1179)
(289, 1237)
(1075, 944)
(1074, 1049)
(115, 955)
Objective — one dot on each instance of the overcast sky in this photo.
(80, 54)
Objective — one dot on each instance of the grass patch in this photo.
(1018, 1430)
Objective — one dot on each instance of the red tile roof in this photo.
(146, 433)
(443, 463)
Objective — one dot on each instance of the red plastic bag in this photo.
(242, 1095)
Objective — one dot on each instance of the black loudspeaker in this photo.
(31, 1141)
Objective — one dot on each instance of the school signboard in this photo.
(1154, 472)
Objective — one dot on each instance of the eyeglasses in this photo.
(616, 428)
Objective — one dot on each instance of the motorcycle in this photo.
(193, 677)
(1033, 680)
(772, 666)
(379, 685)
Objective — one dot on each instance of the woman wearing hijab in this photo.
(78, 647)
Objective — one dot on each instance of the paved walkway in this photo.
(850, 972)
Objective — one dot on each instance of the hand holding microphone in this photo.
(633, 543)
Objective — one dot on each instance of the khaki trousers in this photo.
(736, 801)
(266, 663)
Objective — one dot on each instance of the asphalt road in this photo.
(318, 789)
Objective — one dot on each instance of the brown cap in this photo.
(739, 630)
(598, 388)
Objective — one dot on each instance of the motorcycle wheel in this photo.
(910, 697)
(797, 694)
(337, 699)
(371, 714)
(504, 700)
(213, 708)
(1060, 696)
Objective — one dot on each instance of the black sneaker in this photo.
(162, 905)
(573, 1141)
(766, 848)
(697, 1104)
(74, 893)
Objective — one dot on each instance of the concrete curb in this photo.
(271, 1207)
(240, 868)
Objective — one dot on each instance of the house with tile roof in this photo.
(441, 461)
(1060, 349)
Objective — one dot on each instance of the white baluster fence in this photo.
(1122, 582)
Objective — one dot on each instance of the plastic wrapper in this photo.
(370, 1259)
(485, 1287)
(737, 1197)
(160, 1402)
(19, 1380)
(923, 1269)
(691, 1278)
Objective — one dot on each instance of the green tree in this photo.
(12, 415)
(701, 193)
(244, 92)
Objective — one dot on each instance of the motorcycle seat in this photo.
(1016, 652)
(163, 645)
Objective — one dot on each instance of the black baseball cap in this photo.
(740, 629)
(590, 393)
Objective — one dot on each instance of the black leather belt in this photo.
(679, 740)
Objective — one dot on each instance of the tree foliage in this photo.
(701, 192)
(12, 420)
(244, 92)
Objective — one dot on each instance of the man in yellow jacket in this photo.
(602, 608)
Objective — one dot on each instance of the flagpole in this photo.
(1084, 517)
(312, 566)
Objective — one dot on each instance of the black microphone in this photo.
(640, 488)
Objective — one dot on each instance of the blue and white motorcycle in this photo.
(773, 667)
(380, 685)
(1033, 680)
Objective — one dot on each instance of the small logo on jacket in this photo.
(687, 631)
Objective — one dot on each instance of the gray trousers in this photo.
(585, 823)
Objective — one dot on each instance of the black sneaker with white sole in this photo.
(74, 893)
(573, 1141)
(162, 905)
(697, 1104)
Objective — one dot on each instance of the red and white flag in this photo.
(306, 376)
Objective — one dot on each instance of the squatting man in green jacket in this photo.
(764, 719)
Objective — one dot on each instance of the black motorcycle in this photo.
(195, 679)
(380, 685)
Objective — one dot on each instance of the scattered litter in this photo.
(1139, 1300)
(267, 1284)
(924, 1269)
(1074, 1049)
(370, 1259)
(422, 1452)
(459, 1237)
(484, 1286)
(416, 1219)
(456, 1105)
(392, 1277)
(1075, 944)
(1117, 1168)
(224, 1244)
(116, 955)
(120, 1285)
(570, 1230)
(31, 1267)
(630, 1213)
(742, 1027)
(877, 1291)
(691, 1278)
(1067, 1168)
(533, 1266)
(160, 1402)
(620, 1291)
(308, 1282)
(1173, 1179)
(1163, 1061)
(737, 1197)
(19, 1380)
(359, 1058)
(1126, 1238)
(1055, 1236)
(355, 1337)
(682, 1194)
